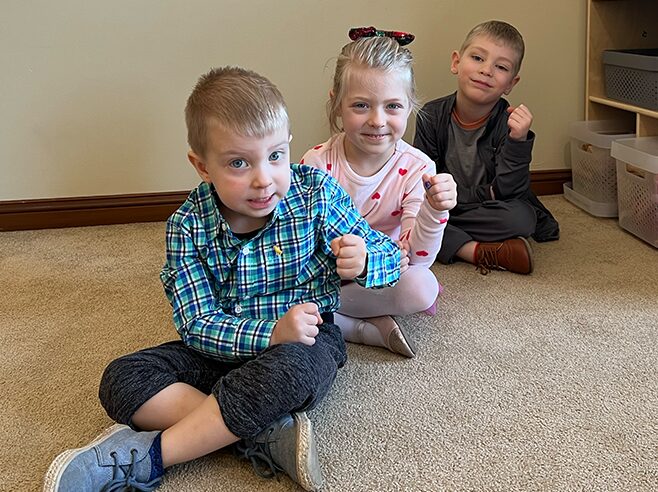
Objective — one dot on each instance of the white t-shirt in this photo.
(393, 199)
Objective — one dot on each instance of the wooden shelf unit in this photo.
(618, 24)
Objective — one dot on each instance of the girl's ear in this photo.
(339, 111)
(454, 62)
(199, 166)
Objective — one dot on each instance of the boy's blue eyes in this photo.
(241, 163)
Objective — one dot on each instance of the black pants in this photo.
(492, 221)
(282, 379)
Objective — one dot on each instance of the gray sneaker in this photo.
(286, 445)
(116, 460)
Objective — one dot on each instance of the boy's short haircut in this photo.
(239, 100)
(498, 31)
(382, 53)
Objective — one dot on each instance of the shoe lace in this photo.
(124, 479)
(487, 260)
(258, 453)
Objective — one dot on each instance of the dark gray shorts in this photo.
(251, 395)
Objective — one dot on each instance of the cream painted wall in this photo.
(92, 93)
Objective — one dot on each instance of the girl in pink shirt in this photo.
(392, 184)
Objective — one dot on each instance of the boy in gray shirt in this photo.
(475, 135)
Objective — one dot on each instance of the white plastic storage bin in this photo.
(637, 183)
(594, 185)
(597, 209)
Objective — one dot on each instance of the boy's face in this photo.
(374, 112)
(250, 174)
(485, 70)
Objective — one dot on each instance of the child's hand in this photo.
(350, 251)
(299, 324)
(519, 121)
(441, 191)
(404, 255)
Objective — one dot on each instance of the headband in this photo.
(403, 38)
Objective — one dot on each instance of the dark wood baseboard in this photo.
(48, 213)
(549, 182)
(88, 211)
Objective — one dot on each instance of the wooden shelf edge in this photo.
(626, 107)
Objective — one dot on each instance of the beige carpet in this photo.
(541, 382)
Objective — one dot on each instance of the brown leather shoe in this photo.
(513, 255)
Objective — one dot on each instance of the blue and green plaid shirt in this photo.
(227, 293)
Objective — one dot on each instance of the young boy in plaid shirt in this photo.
(255, 257)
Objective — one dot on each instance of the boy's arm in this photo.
(512, 174)
(197, 314)
(425, 137)
(513, 159)
(513, 169)
(383, 255)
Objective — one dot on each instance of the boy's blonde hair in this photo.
(381, 53)
(238, 99)
(501, 32)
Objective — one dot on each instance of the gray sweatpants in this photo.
(282, 379)
(492, 221)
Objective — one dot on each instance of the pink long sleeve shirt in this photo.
(392, 200)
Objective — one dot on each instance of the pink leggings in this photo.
(416, 291)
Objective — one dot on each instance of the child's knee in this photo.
(127, 383)
(109, 389)
(288, 378)
(526, 221)
(418, 290)
(516, 217)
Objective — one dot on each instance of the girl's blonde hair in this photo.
(238, 99)
(381, 53)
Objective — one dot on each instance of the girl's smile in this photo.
(374, 113)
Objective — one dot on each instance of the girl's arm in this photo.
(315, 157)
(425, 234)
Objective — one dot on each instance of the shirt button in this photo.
(237, 309)
(246, 250)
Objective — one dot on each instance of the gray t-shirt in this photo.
(462, 157)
